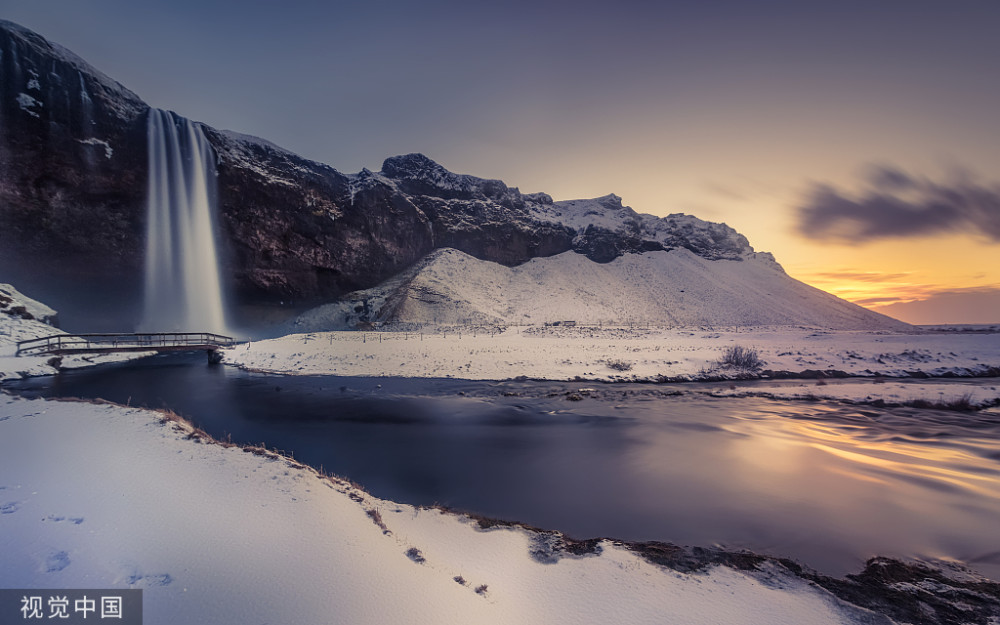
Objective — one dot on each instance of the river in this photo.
(824, 483)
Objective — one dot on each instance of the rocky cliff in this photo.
(72, 161)
(73, 181)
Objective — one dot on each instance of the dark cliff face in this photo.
(72, 162)
(294, 229)
(73, 170)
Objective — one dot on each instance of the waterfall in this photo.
(86, 109)
(183, 291)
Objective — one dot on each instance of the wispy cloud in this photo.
(726, 191)
(896, 204)
(972, 290)
(967, 305)
(875, 288)
(861, 276)
(878, 301)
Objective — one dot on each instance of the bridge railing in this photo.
(58, 343)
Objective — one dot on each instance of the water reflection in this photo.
(826, 484)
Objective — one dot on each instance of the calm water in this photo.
(825, 484)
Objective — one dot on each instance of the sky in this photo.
(857, 141)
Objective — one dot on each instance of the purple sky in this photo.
(733, 111)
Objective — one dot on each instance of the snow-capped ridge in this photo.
(646, 232)
(429, 176)
(255, 140)
(604, 226)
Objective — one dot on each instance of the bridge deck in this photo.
(60, 344)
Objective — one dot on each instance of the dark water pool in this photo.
(827, 484)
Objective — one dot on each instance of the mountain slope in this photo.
(677, 288)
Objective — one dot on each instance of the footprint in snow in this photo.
(138, 580)
(59, 519)
(10, 507)
(56, 561)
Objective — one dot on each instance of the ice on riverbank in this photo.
(910, 393)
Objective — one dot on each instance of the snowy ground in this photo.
(80, 508)
(616, 354)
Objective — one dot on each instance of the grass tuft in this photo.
(376, 518)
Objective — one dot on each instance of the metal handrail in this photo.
(122, 340)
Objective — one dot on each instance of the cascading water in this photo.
(183, 291)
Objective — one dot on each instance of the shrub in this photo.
(481, 590)
(743, 358)
(619, 365)
(963, 403)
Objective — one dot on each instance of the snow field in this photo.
(560, 353)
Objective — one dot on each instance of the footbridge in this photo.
(65, 344)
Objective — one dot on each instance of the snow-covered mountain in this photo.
(676, 288)
(72, 207)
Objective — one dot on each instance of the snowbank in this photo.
(218, 535)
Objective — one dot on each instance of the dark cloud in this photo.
(899, 205)
(888, 178)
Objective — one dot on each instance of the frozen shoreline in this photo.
(642, 354)
(649, 355)
(81, 508)
(86, 510)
